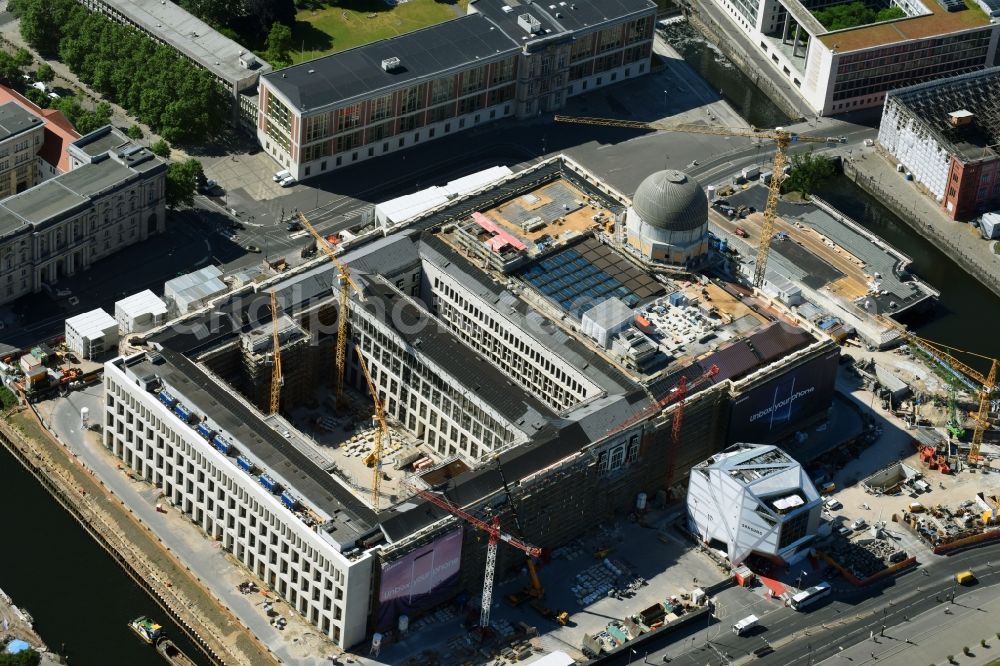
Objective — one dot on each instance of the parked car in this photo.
(832, 504)
(281, 175)
(287, 181)
(844, 530)
(859, 524)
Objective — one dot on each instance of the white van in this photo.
(745, 625)
(281, 175)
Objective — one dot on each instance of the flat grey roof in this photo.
(66, 193)
(45, 202)
(96, 178)
(351, 518)
(190, 36)
(15, 119)
(101, 141)
(424, 54)
(558, 16)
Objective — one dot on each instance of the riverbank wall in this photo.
(917, 220)
(107, 520)
(712, 31)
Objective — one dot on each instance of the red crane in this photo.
(678, 392)
(492, 528)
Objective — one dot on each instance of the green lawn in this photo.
(328, 29)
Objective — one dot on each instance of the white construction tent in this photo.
(401, 210)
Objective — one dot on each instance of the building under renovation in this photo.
(946, 134)
(481, 367)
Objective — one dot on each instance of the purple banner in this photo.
(419, 580)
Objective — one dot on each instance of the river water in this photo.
(737, 89)
(81, 600)
(967, 315)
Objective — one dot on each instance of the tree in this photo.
(23, 57)
(279, 45)
(807, 170)
(45, 73)
(39, 25)
(10, 73)
(161, 149)
(7, 398)
(27, 657)
(135, 132)
(182, 179)
(38, 97)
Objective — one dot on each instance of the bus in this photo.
(804, 599)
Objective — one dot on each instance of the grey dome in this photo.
(671, 200)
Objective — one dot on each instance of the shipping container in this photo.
(222, 445)
(289, 501)
(204, 431)
(167, 399)
(244, 464)
(268, 482)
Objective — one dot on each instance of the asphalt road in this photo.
(844, 620)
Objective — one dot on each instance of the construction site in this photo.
(433, 419)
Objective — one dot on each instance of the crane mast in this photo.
(346, 283)
(782, 140)
(496, 535)
(374, 459)
(276, 379)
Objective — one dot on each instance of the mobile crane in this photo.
(496, 535)
(782, 140)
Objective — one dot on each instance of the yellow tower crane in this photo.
(346, 283)
(782, 140)
(374, 459)
(984, 385)
(276, 379)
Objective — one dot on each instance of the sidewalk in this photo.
(873, 171)
(930, 637)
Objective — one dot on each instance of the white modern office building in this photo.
(753, 499)
(842, 70)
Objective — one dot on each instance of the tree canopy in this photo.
(45, 73)
(182, 179)
(23, 658)
(248, 20)
(808, 169)
(279, 44)
(177, 99)
(841, 17)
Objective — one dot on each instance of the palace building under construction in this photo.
(515, 336)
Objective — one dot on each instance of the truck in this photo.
(745, 625)
(750, 172)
